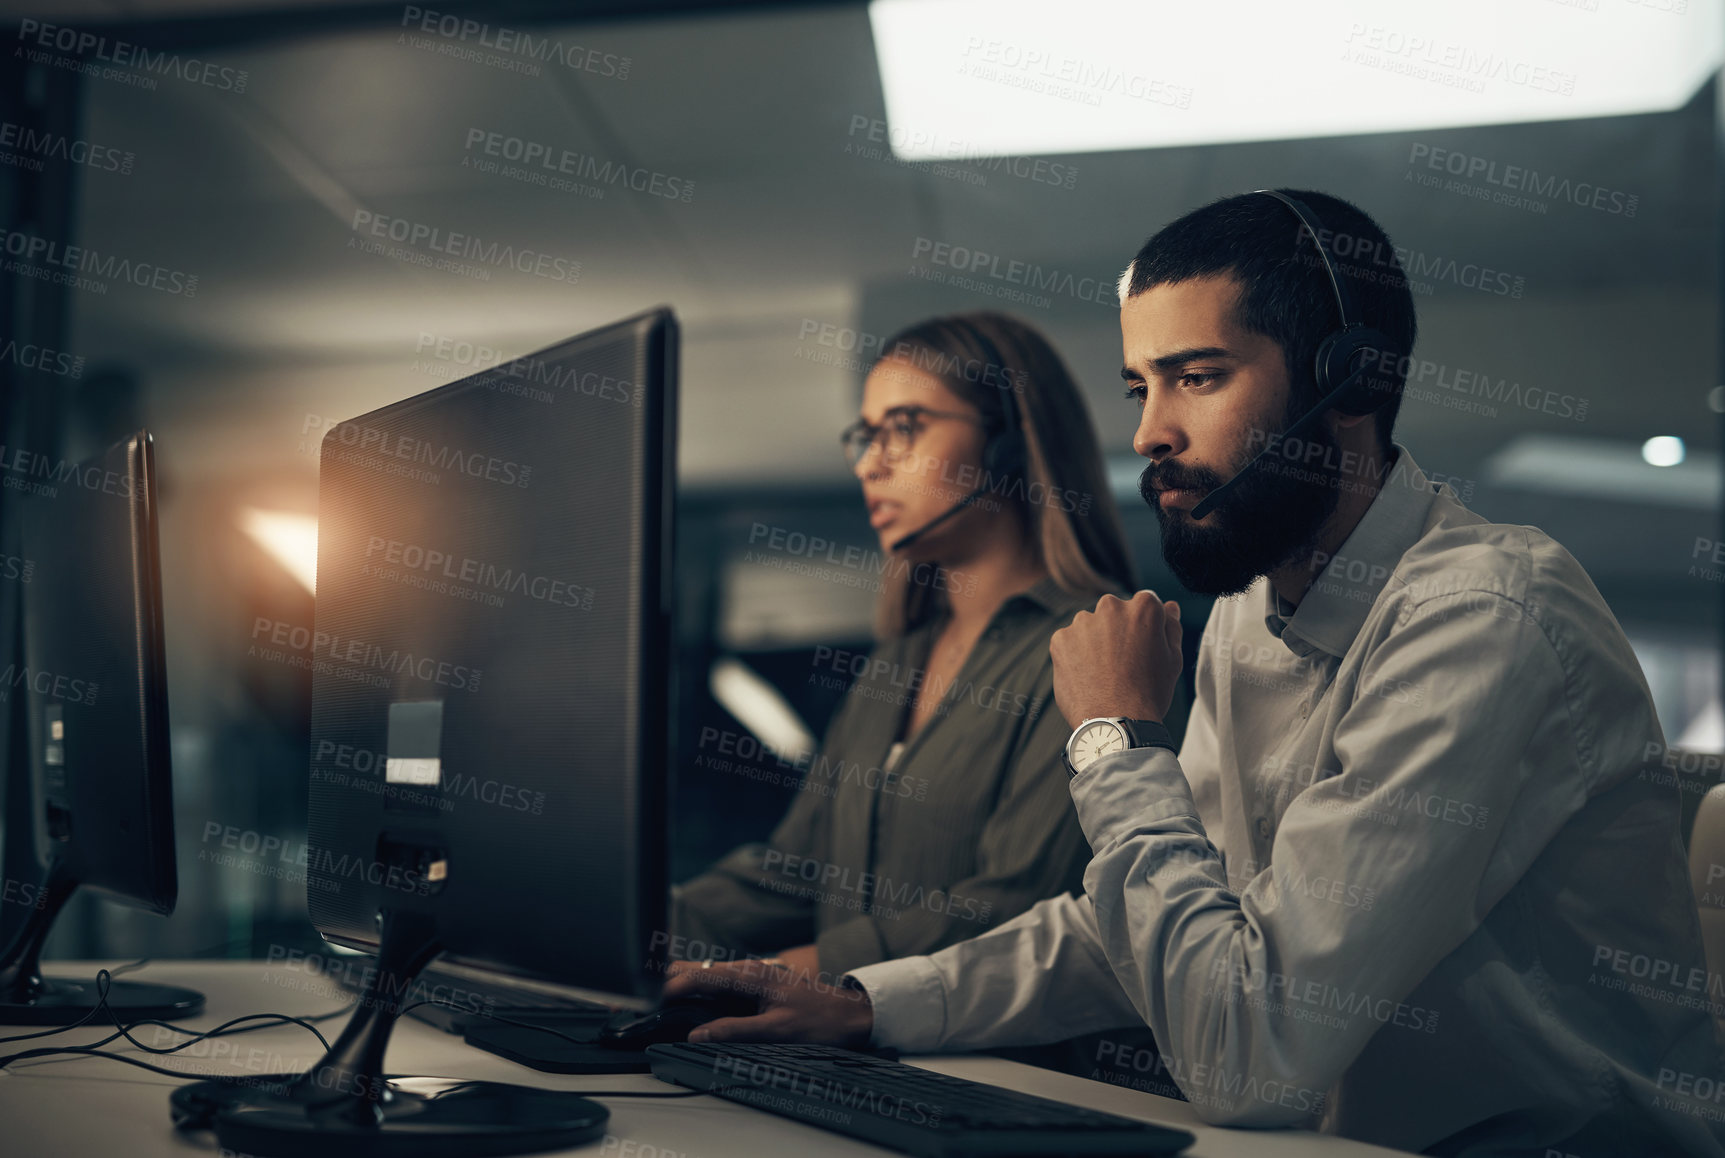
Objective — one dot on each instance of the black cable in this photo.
(103, 984)
(94, 1009)
(221, 1030)
(92, 1051)
(132, 967)
(235, 1079)
(104, 977)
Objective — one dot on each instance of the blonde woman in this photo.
(937, 806)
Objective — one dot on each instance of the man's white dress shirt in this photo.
(1406, 881)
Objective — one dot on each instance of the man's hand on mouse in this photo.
(794, 1005)
(803, 959)
(1123, 659)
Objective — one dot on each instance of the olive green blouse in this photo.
(881, 856)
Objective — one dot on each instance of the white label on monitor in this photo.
(413, 770)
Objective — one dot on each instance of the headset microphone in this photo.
(1352, 389)
(961, 505)
(1299, 427)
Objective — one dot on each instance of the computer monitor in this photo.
(95, 684)
(489, 726)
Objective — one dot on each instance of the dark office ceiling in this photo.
(790, 224)
(208, 23)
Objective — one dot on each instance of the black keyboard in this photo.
(476, 998)
(903, 1107)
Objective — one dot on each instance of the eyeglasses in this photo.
(896, 436)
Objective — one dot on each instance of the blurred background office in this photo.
(294, 211)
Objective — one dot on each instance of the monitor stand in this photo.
(345, 1104)
(28, 998)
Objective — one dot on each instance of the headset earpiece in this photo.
(1361, 350)
(1353, 350)
(1007, 454)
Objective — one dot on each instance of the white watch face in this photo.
(1095, 740)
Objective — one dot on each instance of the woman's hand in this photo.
(794, 1005)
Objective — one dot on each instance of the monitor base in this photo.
(346, 1105)
(275, 1117)
(62, 1001)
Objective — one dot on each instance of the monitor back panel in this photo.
(95, 677)
(489, 655)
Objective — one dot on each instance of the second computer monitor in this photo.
(93, 675)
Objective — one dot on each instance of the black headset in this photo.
(1006, 455)
(1355, 367)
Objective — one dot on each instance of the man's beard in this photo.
(1273, 517)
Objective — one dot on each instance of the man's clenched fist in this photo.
(1120, 660)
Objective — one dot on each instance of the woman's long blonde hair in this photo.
(1064, 506)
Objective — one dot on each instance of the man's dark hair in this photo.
(1285, 294)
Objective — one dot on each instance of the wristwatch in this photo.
(1105, 735)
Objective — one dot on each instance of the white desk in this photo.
(72, 1105)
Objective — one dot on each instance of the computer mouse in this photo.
(672, 1021)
